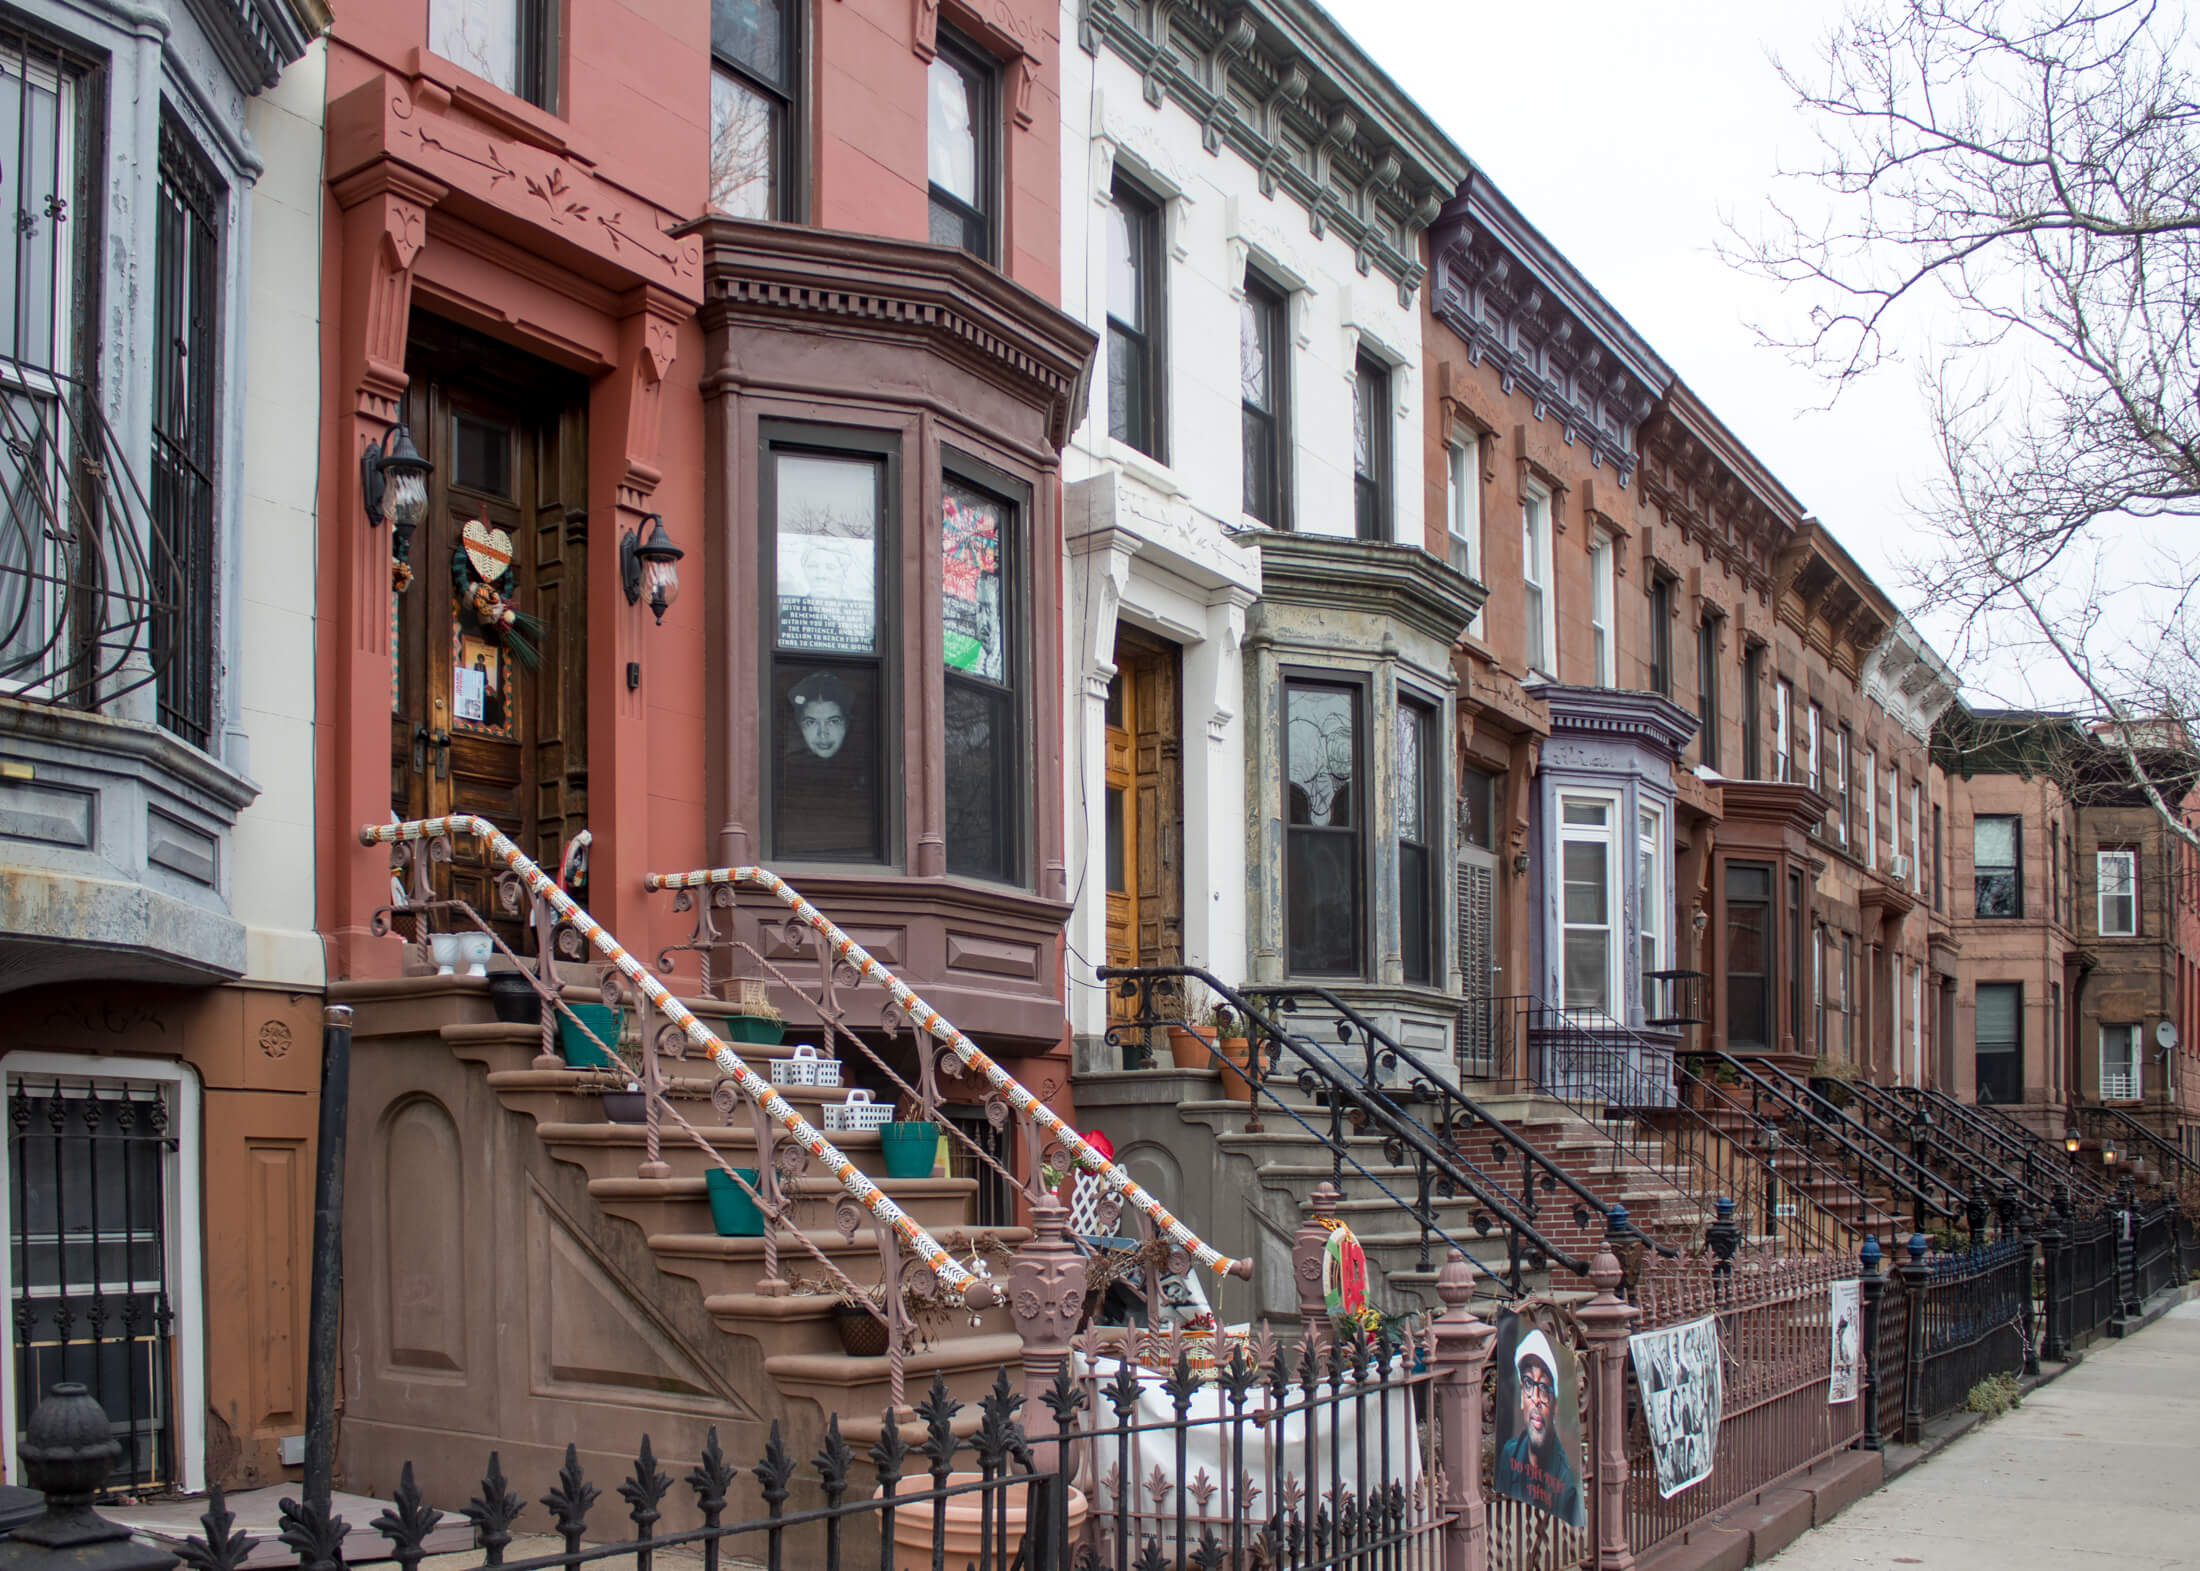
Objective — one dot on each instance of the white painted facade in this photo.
(1166, 547)
(273, 855)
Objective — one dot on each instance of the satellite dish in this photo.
(2165, 1035)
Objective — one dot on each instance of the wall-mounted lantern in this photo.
(650, 567)
(393, 482)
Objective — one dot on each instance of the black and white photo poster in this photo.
(1846, 1316)
(1677, 1370)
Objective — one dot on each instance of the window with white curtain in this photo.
(1870, 783)
(1600, 612)
(1841, 786)
(1783, 704)
(1813, 722)
(1463, 512)
(1535, 580)
(2117, 874)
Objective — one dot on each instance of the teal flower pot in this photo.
(752, 1030)
(732, 1212)
(575, 1048)
(910, 1149)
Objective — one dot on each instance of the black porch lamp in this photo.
(2108, 1152)
(2072, 1140)
(651, 565)
(393, 482)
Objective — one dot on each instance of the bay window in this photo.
(1588, 924)
(1324, 817)
(1417, 818)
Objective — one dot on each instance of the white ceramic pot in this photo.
(444, 948)
(474, 950)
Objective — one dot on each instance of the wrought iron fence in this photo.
(1968, 1316)
(2155, 1257)
(1776, 1334)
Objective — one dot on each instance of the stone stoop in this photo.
(1768, 1521)
(514, 1281)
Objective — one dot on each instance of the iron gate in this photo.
(89, 1166)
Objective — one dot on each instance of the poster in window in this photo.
(971, 633)
(1536, 1421)
(825, 785)
(1845, 1313)
(827, 553)
(1677, 1371)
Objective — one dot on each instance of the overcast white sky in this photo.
(1627, 130)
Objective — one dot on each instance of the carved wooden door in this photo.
(1145, 784)
(476, 725)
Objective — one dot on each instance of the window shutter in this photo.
(1477, 898)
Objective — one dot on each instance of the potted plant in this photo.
(1234, 1041)
(625, 1105)
(733, 1212)
(909, 1145)
(587, 1033)
(753, 1019)
(513, 999)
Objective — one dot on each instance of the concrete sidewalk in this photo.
(2095, 1470)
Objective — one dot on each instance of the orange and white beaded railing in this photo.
(953, 1278)
(929, 1020)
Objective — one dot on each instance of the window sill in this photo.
(500, 109)
(1143, 467)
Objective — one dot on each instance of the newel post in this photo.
(1046, 1294)
(1607, 1320)
(1916, 1285)
(67, 1453)
(1307, 1248)
(2054, 1268)
(1461, 1359)
(1872, 1287)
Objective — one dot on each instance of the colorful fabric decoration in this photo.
(952, 1276)
(934, 1024)
(481, 572)
(1344, 1277)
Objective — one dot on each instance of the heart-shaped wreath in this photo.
(481, 573)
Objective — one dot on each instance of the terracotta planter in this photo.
(913, 1524)
(1239, 1051)
(1188, 1049)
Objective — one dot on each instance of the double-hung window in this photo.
(1463, 512)
(1916, 798)
(1417, 820)
(2117, 874)
(1869, 780)
(1749, 945)
(1324, 819)
(962, 145)
(1650, 921)
(1997, 1042)
(1134, 318)
(1783, 714)
(1753, 713)
(512, 44)
(1371, 449)
(2122, 1075)
(1841, 786)
(186, 407)
(1661, 636)
(830, 549)
(753, 90)
(980, 569)
(1263, 387)
(1813, 723)
(1602, 642)
(1996, 843)
(1589, 847)
(1535, 580)
(1707, 692)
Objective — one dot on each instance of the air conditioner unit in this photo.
(1898, 867)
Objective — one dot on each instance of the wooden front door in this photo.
(475, 727)
(1145, 808)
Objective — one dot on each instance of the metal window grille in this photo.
(186, 356)
(89, 1166)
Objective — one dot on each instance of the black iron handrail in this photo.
(1616, 1078)
(1383, 1051)
(2167, 1152)
(1947, 1140)
(1796, 1097)
(1321, 1076)
(2008, 1134)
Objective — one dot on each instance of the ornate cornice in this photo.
(790, 276)
(1371, 576)
(1610, 712)
(1830, 601)
(1903, 676)
(1785, 804)
(1515, 301)
(1715, 492)
(1277, 82)
(257, 38)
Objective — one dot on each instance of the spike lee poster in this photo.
(1538, 1421)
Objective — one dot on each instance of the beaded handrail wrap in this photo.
(934, 1024)
(753, 1085)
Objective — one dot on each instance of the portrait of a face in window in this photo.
(826, 785)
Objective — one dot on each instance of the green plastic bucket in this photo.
(732, 1212)
(910, 1149)
(574, 1046)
